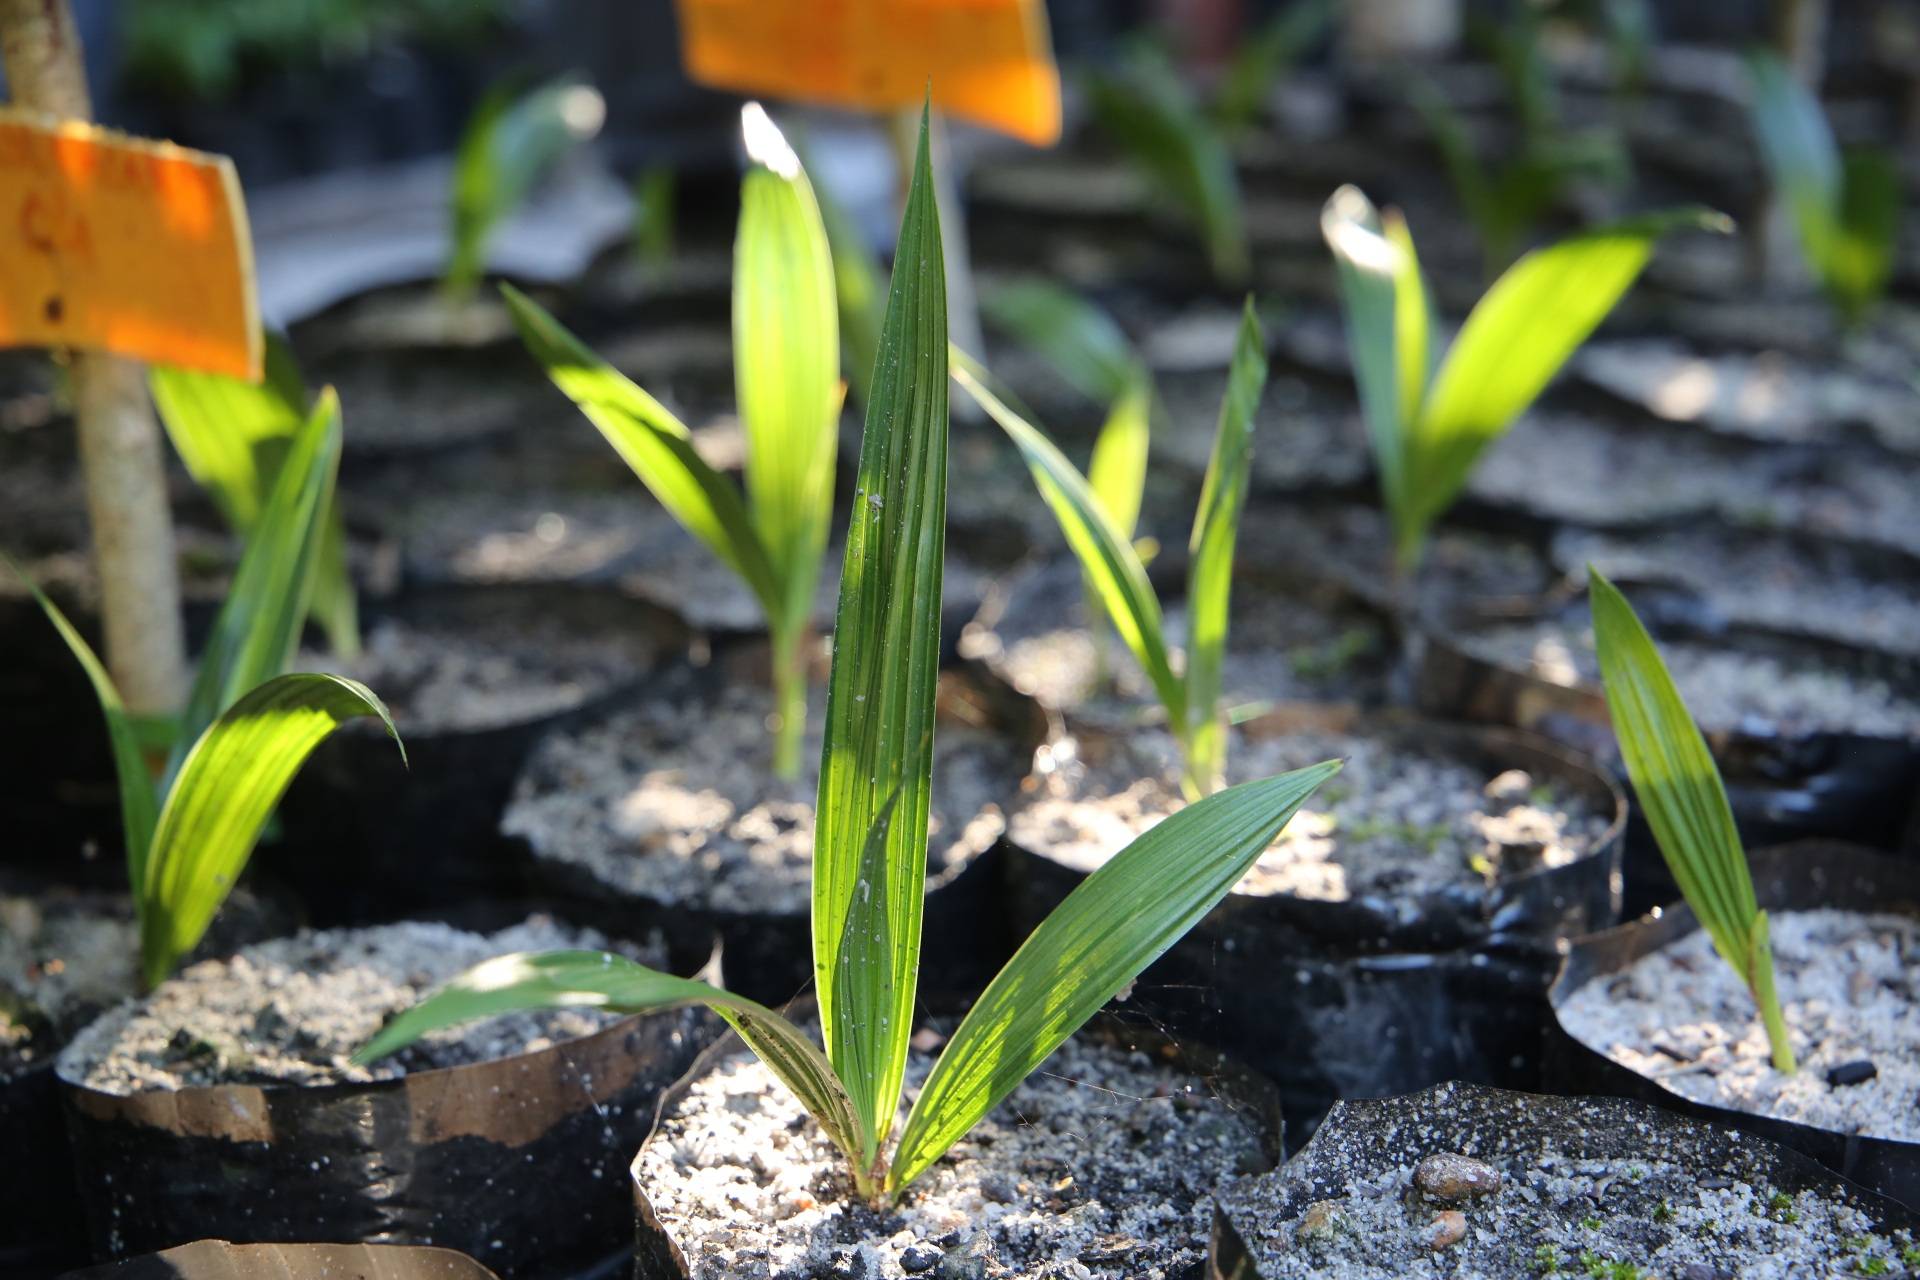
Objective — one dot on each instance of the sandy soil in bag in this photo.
(1724, 687)
(1100, 1165)
(60, 963)
(293, 1010)
(675, 800)
(1849, 988)
(1764, 580)
(1392, 823)
(464, 674)
(1566, 1187)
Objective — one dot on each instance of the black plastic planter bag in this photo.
(515, 1161)
(1370, 997)
(1369, 1144)
(369, 837)
(42, 1228)
(220, 1260)
(658, 1254)
(1805, 876)
(768, 955)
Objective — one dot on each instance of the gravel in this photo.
(1099, 1166)
(1725, 688)
(1393, 822)
(293, 1010)
(1586, 1187)
(1848, 988)
(675, 800)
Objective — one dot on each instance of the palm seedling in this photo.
(516, 135)
(1505, 199)
(1679, 787)
(1428, 416)
(1097, 523)
(1154, 115)
(1844, 205)
(233, 437)
(786, 351)
(870, 835)
(246, 728)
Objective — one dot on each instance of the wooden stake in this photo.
(120, 452)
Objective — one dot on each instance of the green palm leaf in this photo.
(1082, 342)
(600, 980)
(233, 436)
(227, 786)
(1679, 788)
(512, 139)
(258, 627)
(655, 444)
(1105, 554)
(880, 695)
(139, 805)
(1210, 580)
(1111, 927)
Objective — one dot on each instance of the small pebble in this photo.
(1321, 1221)
(1449, 1227)
(917, 1258)
(1455, 1179)
(1852, 1073)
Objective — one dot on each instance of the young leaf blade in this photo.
(1111, 927)
(1078, 339)
(655, 444)
(1860, 260)
(880, 694)
(233, 436)
(1216, 527)
(1105, 554)
(1117, 470)
(1797, 146)
(1374, 276)
(1516, 339)
(601, 980)
(139, 804)
(226, 787)
(858, 291)
(786, 344)
(1679, 788)
(257, 629)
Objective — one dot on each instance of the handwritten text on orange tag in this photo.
(116, 244)
(988, 60)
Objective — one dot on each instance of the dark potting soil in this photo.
(1100, 1165)
(1849, 991)
(675, 800)
(1395, 822)
(1791, 584)
(1295, 644)
(480, 673)
(1726, 686)
(1460, 1181)
(1305, 436)
(293, 1010)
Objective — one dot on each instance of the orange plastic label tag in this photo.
(988, 60)
(117, 244)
